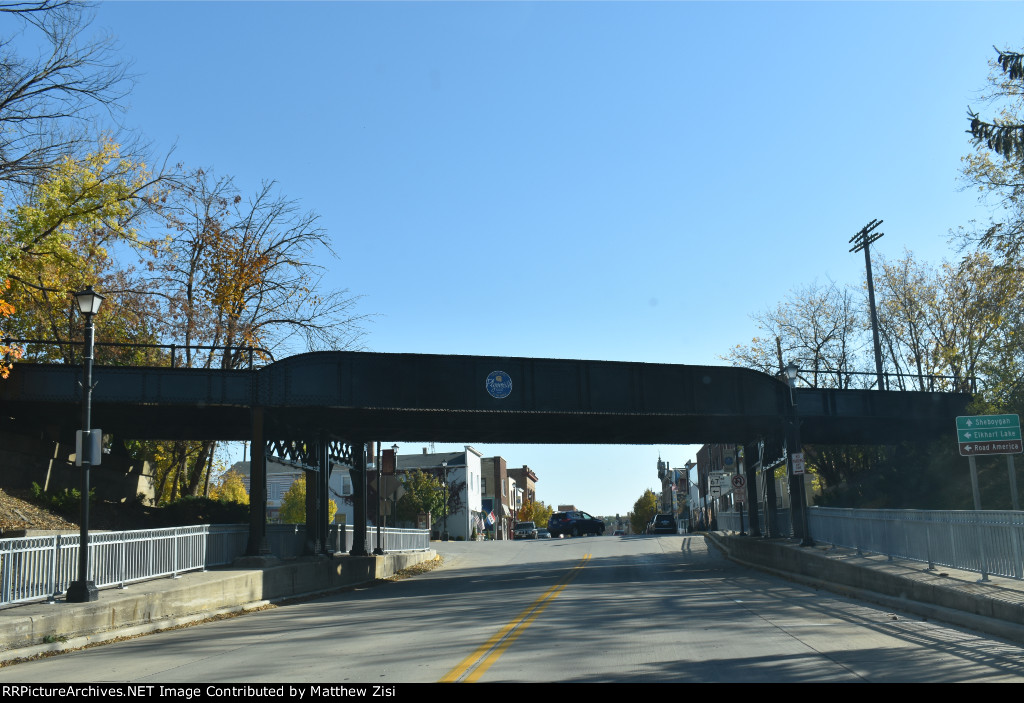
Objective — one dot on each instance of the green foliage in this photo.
(424, 493)
(293, 504)
(67, 502)
(231, 489)
(1004, 136)
(535, 511)
(197, 510)
(644, 509)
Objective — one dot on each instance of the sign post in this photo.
(739, 494)
(985, 435)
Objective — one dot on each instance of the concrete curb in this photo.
(166, 603)
(951, 596)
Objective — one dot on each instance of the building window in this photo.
(483, 485)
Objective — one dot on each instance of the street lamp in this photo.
(84, 590)
(791, 373)
(444, 533)
(379, 549)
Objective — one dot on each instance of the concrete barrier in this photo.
(149, 606)
(995, 607)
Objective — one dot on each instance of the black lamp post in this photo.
(381, 506)
(83, 590)
(444, 468)
(791, 373)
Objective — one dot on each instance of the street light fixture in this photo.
(791, 374)
(83, 590)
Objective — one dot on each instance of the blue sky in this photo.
(608, 180)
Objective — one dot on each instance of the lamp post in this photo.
(83, 590)
(444, 532)
(791, 373)
(379, 549)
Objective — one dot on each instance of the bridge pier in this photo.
(257, 488)
(359, 489)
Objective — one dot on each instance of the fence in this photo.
(40, 568)
(985, 541)
(730, 520)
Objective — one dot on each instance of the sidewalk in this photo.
(38, 628)
(995, 606)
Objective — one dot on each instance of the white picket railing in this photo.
(41, 568)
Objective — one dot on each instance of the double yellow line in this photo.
(473, 667)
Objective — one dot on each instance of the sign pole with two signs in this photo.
(985, 435)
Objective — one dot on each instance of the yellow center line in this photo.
(473, 667)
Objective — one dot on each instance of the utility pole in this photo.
(862, 241)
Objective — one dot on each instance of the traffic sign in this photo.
(967, 422)
(798, 463)
(980, 435)
(739, 488)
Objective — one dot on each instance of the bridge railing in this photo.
(42, 567)
(394, 539)
(891, 381)
(730, 520)
(984, 541)
(192, 355)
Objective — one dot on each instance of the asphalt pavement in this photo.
(994, 606)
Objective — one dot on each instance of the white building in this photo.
(463, 473)
(280, 476)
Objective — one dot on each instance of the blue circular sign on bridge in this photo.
(499, 385)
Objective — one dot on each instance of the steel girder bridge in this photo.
(323, 408)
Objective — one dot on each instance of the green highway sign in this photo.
(980, 435)
(987, 422)
(987, 435)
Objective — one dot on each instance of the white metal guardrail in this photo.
(41, 568)
(730, 520)
(394, 539)
(985, 541)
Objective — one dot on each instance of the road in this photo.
(593, 609)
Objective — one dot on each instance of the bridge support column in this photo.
(324, 490)
(750, 471)
(314, 513)
(771, 506)
(257, 488)
(359, 490)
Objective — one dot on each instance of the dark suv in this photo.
(664, 524)
(575, 523)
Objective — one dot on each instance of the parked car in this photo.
(542, 533)
(619, 533)
(575, 523)
(662, 524)
(525, 530)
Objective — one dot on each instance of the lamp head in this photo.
(791, 371)
(88, 301)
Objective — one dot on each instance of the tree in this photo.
(817, 327)
(293, 504)
(49, 100)
(535, 511)
(61, 240)
(996, 166)
(424, 493)
(644, 510)
(231, 488)
(244, 271)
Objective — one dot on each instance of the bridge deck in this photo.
(421, 397)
